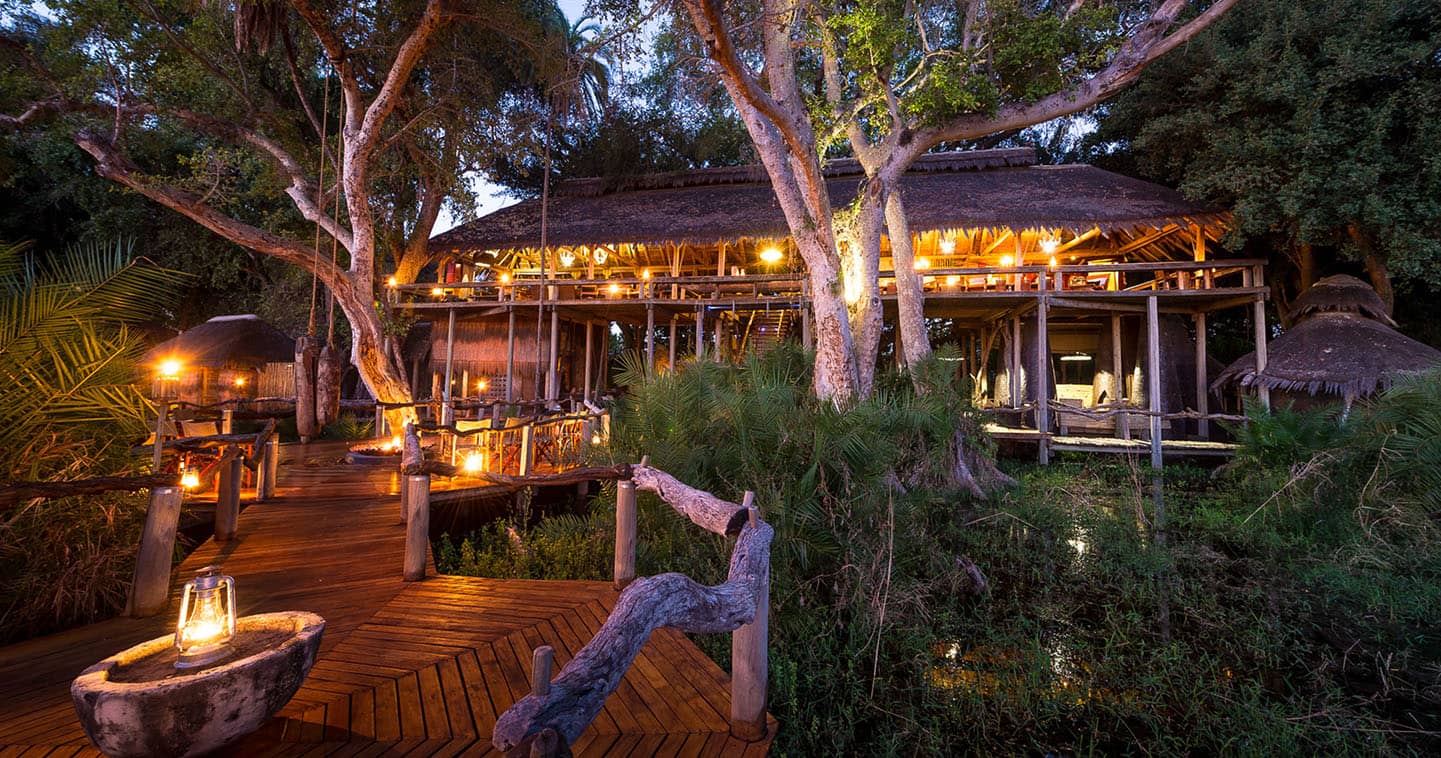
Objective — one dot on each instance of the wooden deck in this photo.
(405, 669)
(1133, 446)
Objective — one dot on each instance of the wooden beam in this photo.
(1147, 239)
(1121, 380)
(1153, 378)
(1203, 427)
(1042, 379)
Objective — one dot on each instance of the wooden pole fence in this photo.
(151, 586)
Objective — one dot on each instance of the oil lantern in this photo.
(207, 619)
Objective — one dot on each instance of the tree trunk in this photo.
(861, 260)
(910, 285)
(306, 352)
(1375, 264)
(328, 371)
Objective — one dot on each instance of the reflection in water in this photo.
(1052, 671)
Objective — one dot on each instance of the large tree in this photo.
(1318, 124)
(364, 117)
(897, 78)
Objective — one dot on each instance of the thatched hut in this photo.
(1343, 346)
(224, 358)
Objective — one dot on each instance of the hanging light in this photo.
(437, 292)
(505, 278)
(600, 255)
(1076, 358)
(392, 282)
(595, 438)
(1049, 244)
(206, 624)
(482, 385)
(952, 280)
(613, 289)
(567, 257)
(170, 368)
(772, 255)
(1053, 261)
(474, 462)
(1007, 260)
(189, 479)
(922, 263)
(239, 381)
(645, 274)
(948, 246)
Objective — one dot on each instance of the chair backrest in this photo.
(199, 428)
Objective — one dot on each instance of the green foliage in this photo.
(559, 547)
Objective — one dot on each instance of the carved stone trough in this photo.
(136, 703)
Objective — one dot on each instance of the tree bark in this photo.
(910, 285)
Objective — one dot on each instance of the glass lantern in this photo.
(207, 619)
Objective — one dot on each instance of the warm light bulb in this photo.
(1049, 245)
(482, 385)
(1007, 260)
(613, 289)
(240, 381)
(436, 291)
(189, 479)
(600, 255)
(595, 438)
(567, 258)
(392, 281)
(948, 246)
(923, 263)
(505, 278)
(474, 462)
(169, 368)
(1053, 261)
(771, 255)
(645, 274)
(952, 280)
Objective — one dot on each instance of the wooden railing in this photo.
(558, 710)
(1221, 274)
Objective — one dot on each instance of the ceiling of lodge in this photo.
(972, 206)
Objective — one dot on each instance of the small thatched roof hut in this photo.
(242, 341)
(1342, 344)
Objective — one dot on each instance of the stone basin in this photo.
(136, 703)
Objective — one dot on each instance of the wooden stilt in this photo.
(552, 369)
(589, 349)
(1203, 426)
(446, 412)
(699, 332)
(1258, 320)
(750, 661)
(1043, 376)
(151, 586)
(510, 356)
(625, 533)
(1017, 398)
(1153, 377)
(417, 526)
(1119, 379)
(671, 343)
(650, 336)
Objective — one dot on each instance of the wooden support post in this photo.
(163, 414)
(151, 588)
(510, 356)
(552, 370)
(267, 476)
(1017, 398)
(379, 423)
(1258, 320)
(227, 503)
(1120, 381)
(650, 337)
(1203, 426)
(624, 533)
(589, 356)
(699, 332)
(1153, 377)
(527, 449)
(417, 526)
(750, 658)
(542, 659)
(670, 345)
(1043, 376)
(447, 414)
(227, 421)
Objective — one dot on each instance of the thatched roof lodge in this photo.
(228, 357)
(1343, 345)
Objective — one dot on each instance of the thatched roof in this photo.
(1341, 294)
(1336, 353)
(228, 341)
(965, 190)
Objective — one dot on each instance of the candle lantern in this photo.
(207, 619)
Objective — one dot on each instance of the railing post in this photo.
(527, 449)
(541, 661)
(624, 533)
(417, 525)
(271, 468)
(750, 663)
(227, 420)
(159, 455)
(151, 588)
(227, 502)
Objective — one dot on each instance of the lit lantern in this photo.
(922, 263)
(948, 246)
(437, 292)
(482, 385)
(1007, 260)
(1053, 261)
(474, 463)
(645, 274)
(600, 256)
(567, 258)
(613, 289)
(239, 381)
(595, 438)
(392, 282)
(1049, 245)
(189, 479)
(771, 255)
(505, 278)
(170, 368)
(952, 280)
(207, 619)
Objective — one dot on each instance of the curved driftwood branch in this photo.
(12, 493)
(706, 510)
(668, 600)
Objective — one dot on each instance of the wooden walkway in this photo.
(422, 668)
(1133, 446)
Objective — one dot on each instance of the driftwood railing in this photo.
(556, 711)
